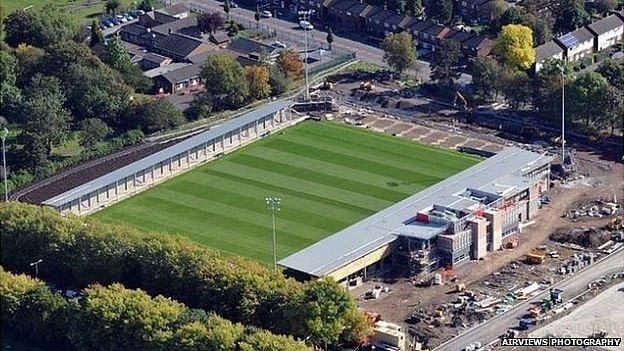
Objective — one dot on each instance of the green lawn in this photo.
(83, 11)
(328, 176)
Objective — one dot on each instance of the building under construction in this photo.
(459, 219)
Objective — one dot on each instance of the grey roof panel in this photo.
(167, 153)
(546, 50)
(357, 240)
(606, 24)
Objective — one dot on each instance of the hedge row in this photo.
(116, 318)
(79, 251)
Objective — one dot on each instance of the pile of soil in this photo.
(585, 237)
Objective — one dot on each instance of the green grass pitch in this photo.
(328, 176)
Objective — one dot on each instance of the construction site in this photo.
(437, 286)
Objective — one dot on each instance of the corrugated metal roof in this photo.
(167, 153)
(361, 238)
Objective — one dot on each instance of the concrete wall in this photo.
(479, 237)
(610, 38)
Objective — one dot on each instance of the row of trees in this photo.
(79, 251)
(232, 85)
(53, 88)
(594, 100)
(116, 318)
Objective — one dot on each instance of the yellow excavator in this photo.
(464, 103)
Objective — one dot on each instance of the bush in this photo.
(116, 318)
(29, 307)
(79, 251)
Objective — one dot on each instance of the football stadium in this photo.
(354, 202)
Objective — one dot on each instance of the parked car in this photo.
(305, 25)
(140, 12)
(279, 44)
(266, 14)
(233, 5)
(115, 21)
(108, 23)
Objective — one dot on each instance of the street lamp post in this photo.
(563, 116)
(305, 16)
(36, 264)
(5, 133)
(274, 205)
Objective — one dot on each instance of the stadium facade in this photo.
(458, 219)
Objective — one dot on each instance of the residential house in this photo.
(406, 23)
(474, 11)
(339, 13)
(152, 60)
(433, 35)
(164, 15)
(376, 22)
(178, 11)
(392, 23)
(607, 32)
(577, 44)
(417, 29)
(221, 39)
(253, 49)
(137, 34)
(187, 26)
(478, 46)
(180, 80)
(547, 51)
(180, 47)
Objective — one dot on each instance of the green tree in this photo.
(516, 87)
(34, 153)
(42, 111)
(97, 36)
(94, 130)
(585, 92)
(513, 15)
(265, 341)
(605, 5)
(116, 54)
(112, 6)
(547, 90)
(201, 106)
(278, 80)
(515, 46)
(570, 15)
(396, 5)
(30, 308)
(399, 51)
(10, 94)
(497, 9)
(440, 10)
(155, 115)
(227, 8)
(329, 38)
(209, 22)
(146, 5)
(542, 31)
(413, 7)
(258, 78)
(613, 71)
(226, 81)
(39, 27)
(115, 318)
(327, 310)
(486, 77)
(444, 64)
(611, 107)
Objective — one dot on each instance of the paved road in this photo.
(493, 328)
(286, 29)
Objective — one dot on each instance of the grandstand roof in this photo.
(167, 153)
(361, 238)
